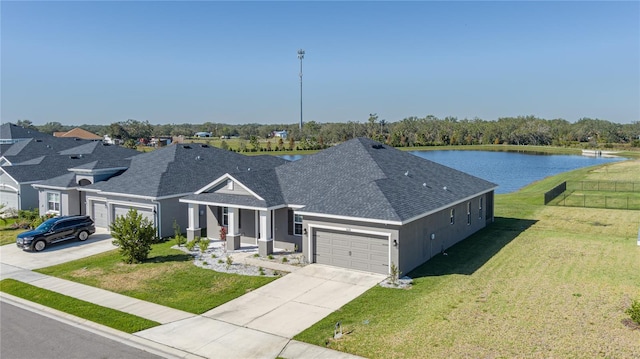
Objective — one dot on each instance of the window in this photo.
(453, 216)
(480, 209)
(225, 216)
(297, 224)
(53, 202)
(469, 213)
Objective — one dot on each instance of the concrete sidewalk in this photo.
(105, 298)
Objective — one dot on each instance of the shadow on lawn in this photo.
(465, 257)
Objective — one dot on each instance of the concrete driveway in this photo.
(11, 255)
(260, 323)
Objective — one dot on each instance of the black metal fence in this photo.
(604, 186)
(614, 194)
(570, 199)
(555, 192)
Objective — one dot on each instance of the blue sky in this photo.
(236, 62)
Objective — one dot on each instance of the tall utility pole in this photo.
(301, 57)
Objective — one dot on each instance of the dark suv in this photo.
(55, 230)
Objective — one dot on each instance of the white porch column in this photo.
(194, 221)
(234, 224)
(233, 228)
(265, 242)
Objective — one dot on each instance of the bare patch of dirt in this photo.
(137, 279)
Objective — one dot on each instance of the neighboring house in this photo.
(280, 134)
(155, 181)
(111, 141)
(204, 134)
(360, 205)
(43, 157)
(78, 133)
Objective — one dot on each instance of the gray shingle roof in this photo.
(232, 199)
(10, 131)
(179, 169)
(362, 178)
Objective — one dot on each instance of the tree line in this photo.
(411, 131)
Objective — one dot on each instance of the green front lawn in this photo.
(7, 234)
(125, 322)
(539, 282)
(168, 278)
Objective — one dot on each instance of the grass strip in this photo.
(112, 318)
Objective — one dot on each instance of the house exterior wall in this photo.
(8, 191)
(28, 197)
(69, 202)
(416, 245)
(281, 236)
(169, 210)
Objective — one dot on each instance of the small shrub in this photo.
(205, 263)
(634, 311)
(192, 244)
(256, 255)
(261, 271)
(270, 256)
(284, 260)
(203, 244)
(180, 239)
(394, 274)
(220, 261)
(229, 262)
(213, 255)
(134, 235)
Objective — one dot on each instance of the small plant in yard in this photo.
(229, 261)
(634, 311)
(180, 239)
(256, 255)
(203, 244)
(284, 260)
(220, 261)
(261, 270)
(394, 274)
(270, 256)
(192, 244)
(213, 255)
(205, 263)
(134, 235)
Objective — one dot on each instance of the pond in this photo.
(510, 170)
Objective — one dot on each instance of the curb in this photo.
(128, 339)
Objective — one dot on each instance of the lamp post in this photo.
(301, 57)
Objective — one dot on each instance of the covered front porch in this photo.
(261, 227)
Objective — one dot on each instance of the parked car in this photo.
(56, 230)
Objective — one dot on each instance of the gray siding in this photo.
(28, 197)
(282, 238)
(415, 244)
(170, 210)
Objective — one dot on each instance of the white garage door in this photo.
(100, 212)
(9, 199)
(122, 210)
(351, 250)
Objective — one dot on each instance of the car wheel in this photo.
(39, 245)
(83, 235)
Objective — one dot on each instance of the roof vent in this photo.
(74, 157)
(38, 140)
(406, 173)
(204, 146)
(48, 146)
(249, 169)
(77, 139)
(187, 147)
(444, 188)
(424, 184)
(377, 146)
(198, 158)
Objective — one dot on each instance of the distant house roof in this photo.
(78, 133)
(360, 179)
(180, 169)
(11, 133)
